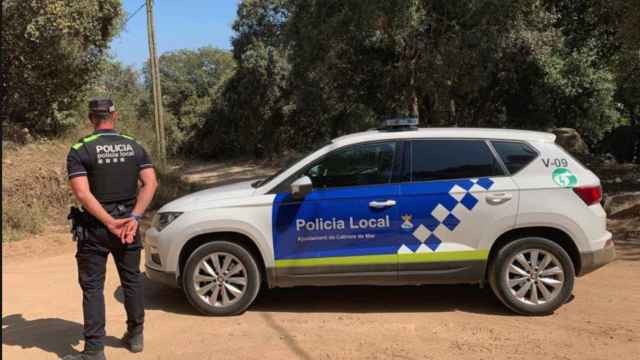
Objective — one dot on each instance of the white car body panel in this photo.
(536, 201)
(544, 203)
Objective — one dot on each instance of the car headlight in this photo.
(163, 219)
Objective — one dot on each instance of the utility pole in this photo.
(155, 81)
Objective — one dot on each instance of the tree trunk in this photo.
(413, 97)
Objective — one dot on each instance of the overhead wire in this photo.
(134, 13)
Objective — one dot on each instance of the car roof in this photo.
(435, 133)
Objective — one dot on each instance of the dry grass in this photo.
(34, 188)
(20, 219)
(35, 193)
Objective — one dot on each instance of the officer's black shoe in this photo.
(86, 355)
(134, 342)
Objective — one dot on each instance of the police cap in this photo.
(101, 106)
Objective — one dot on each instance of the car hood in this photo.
(207, 198)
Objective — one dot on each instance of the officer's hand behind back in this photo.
(129, 231)
(116, 227)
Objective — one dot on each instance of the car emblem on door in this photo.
(407, 225)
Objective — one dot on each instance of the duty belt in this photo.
(81, 220)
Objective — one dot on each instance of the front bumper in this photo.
(596, 259)
(162, 277)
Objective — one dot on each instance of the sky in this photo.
(179, 24)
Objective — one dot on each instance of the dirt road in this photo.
(41, 318)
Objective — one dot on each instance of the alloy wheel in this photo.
(220, 279)
(534, 276)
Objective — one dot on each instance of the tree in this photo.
(51, 53)
(191, 80)
(310, 70)
(610, 29)
(122, 84)
(253, 103)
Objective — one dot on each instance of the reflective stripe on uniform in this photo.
(90, 138)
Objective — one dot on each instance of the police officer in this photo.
(113, 178)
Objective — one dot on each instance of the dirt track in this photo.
(41, 318)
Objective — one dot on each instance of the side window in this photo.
(452, 159)
(515, 155)
(355, 165)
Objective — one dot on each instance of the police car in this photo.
(394, 206)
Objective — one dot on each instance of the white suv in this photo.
(393, 206)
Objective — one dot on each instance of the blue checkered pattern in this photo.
(441, 219)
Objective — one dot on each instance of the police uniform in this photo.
(111, 162)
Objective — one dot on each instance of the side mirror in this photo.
(301, 187)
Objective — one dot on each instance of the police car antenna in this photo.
(399, 124)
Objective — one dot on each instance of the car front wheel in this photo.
(221, 278)
(532, 276)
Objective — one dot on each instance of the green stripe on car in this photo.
(386, 259)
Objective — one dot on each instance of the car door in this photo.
(458, 196)
(345, 230)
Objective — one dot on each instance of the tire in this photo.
(207, 292)
(523, 290)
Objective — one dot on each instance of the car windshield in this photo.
(290, 163)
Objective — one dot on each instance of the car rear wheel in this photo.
(221, 278)
(532, 276)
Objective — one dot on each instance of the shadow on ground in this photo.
(161, 297)
(344, 299)
(56, 336)
(381, 299)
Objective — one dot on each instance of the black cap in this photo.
(101, 105)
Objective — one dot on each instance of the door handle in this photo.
(498, 198)
(382, 204)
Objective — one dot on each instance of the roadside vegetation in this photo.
(302, 72)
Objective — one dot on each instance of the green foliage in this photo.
(122, 84)
(304, 71)
(580, 96)
(250, 107)
(311, 70)
(611, 30)
(51, 51)
(191, 80)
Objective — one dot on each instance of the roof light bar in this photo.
(406, 123)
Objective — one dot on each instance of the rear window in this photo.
(452, 159)
(515, 155)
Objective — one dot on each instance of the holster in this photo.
(79, 223)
